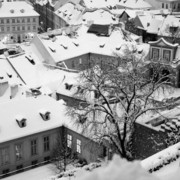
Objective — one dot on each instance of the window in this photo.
(155, 54)
(73, 64)
(178, 6)
(2, 29)
(34, 27)
(13, 20)
(14, 28)
(28, 19)
(8, 28)
(166, 6)
(34, 147)
(163, 5)
(23, 28)
(18, 20)
(2, 21)
(29, 28)
(69, 141)
(78, 147)
(34, 19)
(7, 20)
(167, 55)
(23, 20)
(46, 143)
(18, 151)
(4, 156)
(18, 28)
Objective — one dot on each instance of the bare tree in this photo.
(117, 93)
(62, 154)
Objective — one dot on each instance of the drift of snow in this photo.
(118, 169)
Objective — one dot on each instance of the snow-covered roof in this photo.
(36, 74)
(162, 41)
(65, 47)
(99, 16)
(169, 21)
(99, 3)
(17, 9)
(70, 13)
(151, 23)
(29, 108)
(134, 4)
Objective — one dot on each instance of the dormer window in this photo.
(173, 29)
(45, 114)
(21, 121)
(12, 10)
(68, 86)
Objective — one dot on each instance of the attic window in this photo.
(68, 86)
(12, 10)
(22, 10)
(21, 121)
(45, 114)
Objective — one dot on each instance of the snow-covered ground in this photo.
(40, 173)
(117, 169)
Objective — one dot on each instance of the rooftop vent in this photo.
(45, 114)
(21, 121)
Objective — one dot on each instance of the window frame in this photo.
(78, 146)
(69, 141)
(5, 158)
(34, 150)
(46, 143)
(19, 157)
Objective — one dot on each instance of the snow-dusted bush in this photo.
(162, 158)
(118, 169)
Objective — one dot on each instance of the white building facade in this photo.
(17, 21)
